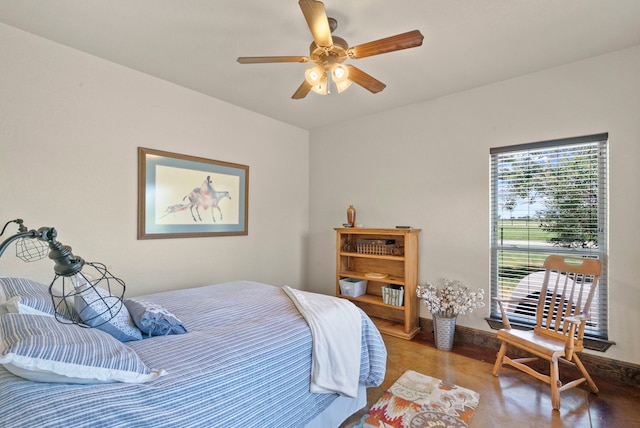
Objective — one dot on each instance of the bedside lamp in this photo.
(99, 293)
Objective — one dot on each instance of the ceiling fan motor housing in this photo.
(326, 57)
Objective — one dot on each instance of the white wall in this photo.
(70, 126)
(427, 165)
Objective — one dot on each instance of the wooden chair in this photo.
(562, 311)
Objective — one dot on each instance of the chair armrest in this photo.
(576, 319)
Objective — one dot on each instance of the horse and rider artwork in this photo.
(198, 199)
(182, 196)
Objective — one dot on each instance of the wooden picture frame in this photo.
(181, 196)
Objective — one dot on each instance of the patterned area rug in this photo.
(416, 400)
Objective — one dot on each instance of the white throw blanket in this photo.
(336, 329)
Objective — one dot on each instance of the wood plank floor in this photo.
(514, 399)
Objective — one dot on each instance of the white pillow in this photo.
(42, 349)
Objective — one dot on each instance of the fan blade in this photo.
(371, 84)
(398, 42)
(268, 59)
(317, 21)
(302, 91)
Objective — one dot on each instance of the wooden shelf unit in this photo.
(401, 268)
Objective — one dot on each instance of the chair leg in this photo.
(583, 370)
(554, 381)
(499, 358)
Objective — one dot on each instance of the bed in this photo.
(244, 361)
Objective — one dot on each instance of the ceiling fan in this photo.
(329, 52)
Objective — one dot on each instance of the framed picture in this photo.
(182, 196)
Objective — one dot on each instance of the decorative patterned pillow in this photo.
(41, 349)
(93, 307)
(153, 319)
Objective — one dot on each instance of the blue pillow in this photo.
(153, 319)
(93, 306)
(21, 295)
(42, 349)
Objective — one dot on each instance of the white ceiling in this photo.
(195, 43)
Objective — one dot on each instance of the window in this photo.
(548, 198)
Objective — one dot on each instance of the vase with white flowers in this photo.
(445, 304)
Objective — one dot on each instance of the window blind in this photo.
(548, 198)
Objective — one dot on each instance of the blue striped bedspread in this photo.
(245, 362)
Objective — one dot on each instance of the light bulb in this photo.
(82, 281)
(320, 88)
(315, 75)
(339, 72)
(340, 75)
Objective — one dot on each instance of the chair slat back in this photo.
(567, 290)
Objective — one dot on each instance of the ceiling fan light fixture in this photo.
(317, 78)
(315, 75)
(343, 85)
(339, 73)
(322, 86)
(340, 76)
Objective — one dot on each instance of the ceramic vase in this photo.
(351, 215)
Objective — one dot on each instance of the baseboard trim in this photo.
(607, 368)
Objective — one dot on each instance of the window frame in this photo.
(595, 338)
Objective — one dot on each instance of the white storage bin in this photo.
(353, 287)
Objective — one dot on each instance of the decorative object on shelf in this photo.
(445, 304)
(376, 275)
(353, 287)
(393, 294)
(71, 282)
(351, 216)
(348, 247)
(382, 247)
